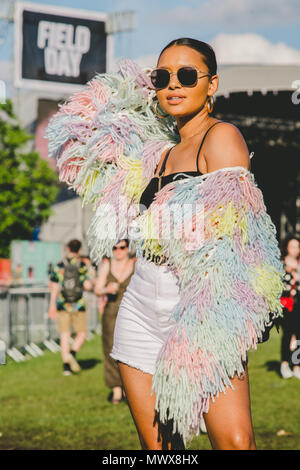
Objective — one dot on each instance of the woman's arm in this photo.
(101, 279)
(225, 147)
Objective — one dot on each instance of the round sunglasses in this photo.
(187, 76)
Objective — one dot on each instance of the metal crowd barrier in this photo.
(25, 326)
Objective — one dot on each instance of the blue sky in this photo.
(262, 26)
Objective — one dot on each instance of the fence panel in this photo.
(38, 315)
(24, 316)
(92, 311)
(4, 317)
(19, 325)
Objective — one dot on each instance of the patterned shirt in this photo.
(291, 288)
(57, 275)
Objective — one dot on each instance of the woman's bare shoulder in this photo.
(225, 147)
(103, 266)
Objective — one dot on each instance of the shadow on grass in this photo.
(273, 366)
(88, 363)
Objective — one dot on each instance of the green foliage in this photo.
(28, 186)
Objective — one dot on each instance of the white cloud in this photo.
(6, 78)
(242, 49)
(6, 70)
(235, 14)
(252, 48)
(148, 61)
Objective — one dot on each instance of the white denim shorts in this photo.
(143, 320)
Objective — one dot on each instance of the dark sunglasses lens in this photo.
(160, 78)
(187, 76)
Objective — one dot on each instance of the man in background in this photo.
(68, 280)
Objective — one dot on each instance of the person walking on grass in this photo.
(113, 278)
(68, 279)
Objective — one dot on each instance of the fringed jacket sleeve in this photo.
(221, 243)
(107, 142)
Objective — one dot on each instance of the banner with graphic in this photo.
(58, 48)
(46, 108)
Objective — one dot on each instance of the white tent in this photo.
(263, 78)
(69, 220)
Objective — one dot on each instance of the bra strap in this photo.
(161, 171)
(202, 143)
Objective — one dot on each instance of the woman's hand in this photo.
(88, 285)
(112, 288)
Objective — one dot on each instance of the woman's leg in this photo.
(111, 370)
(117, 395)
(137, 385)
(228, 421)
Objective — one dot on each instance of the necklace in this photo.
(188, 138)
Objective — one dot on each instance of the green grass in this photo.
(42, 409)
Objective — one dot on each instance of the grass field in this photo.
(42, 409)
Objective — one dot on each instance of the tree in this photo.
(28, 186)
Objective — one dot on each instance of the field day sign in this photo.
(64, 46)
(59, 48)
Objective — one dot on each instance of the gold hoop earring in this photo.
(210, 104)
(159, 115)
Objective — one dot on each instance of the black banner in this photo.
(63, 49)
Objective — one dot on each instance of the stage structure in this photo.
(264, 103)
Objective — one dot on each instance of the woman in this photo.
(112, 280)
(228, 421)
(290, 301)
(208, 270)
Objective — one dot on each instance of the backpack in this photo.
(72, 289)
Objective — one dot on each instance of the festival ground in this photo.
(41, 409)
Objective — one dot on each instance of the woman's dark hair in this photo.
(284, 244)
(74, 246)
(203, 48)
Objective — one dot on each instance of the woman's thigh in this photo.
(141, 403)
(228, 421)
(153, 434)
